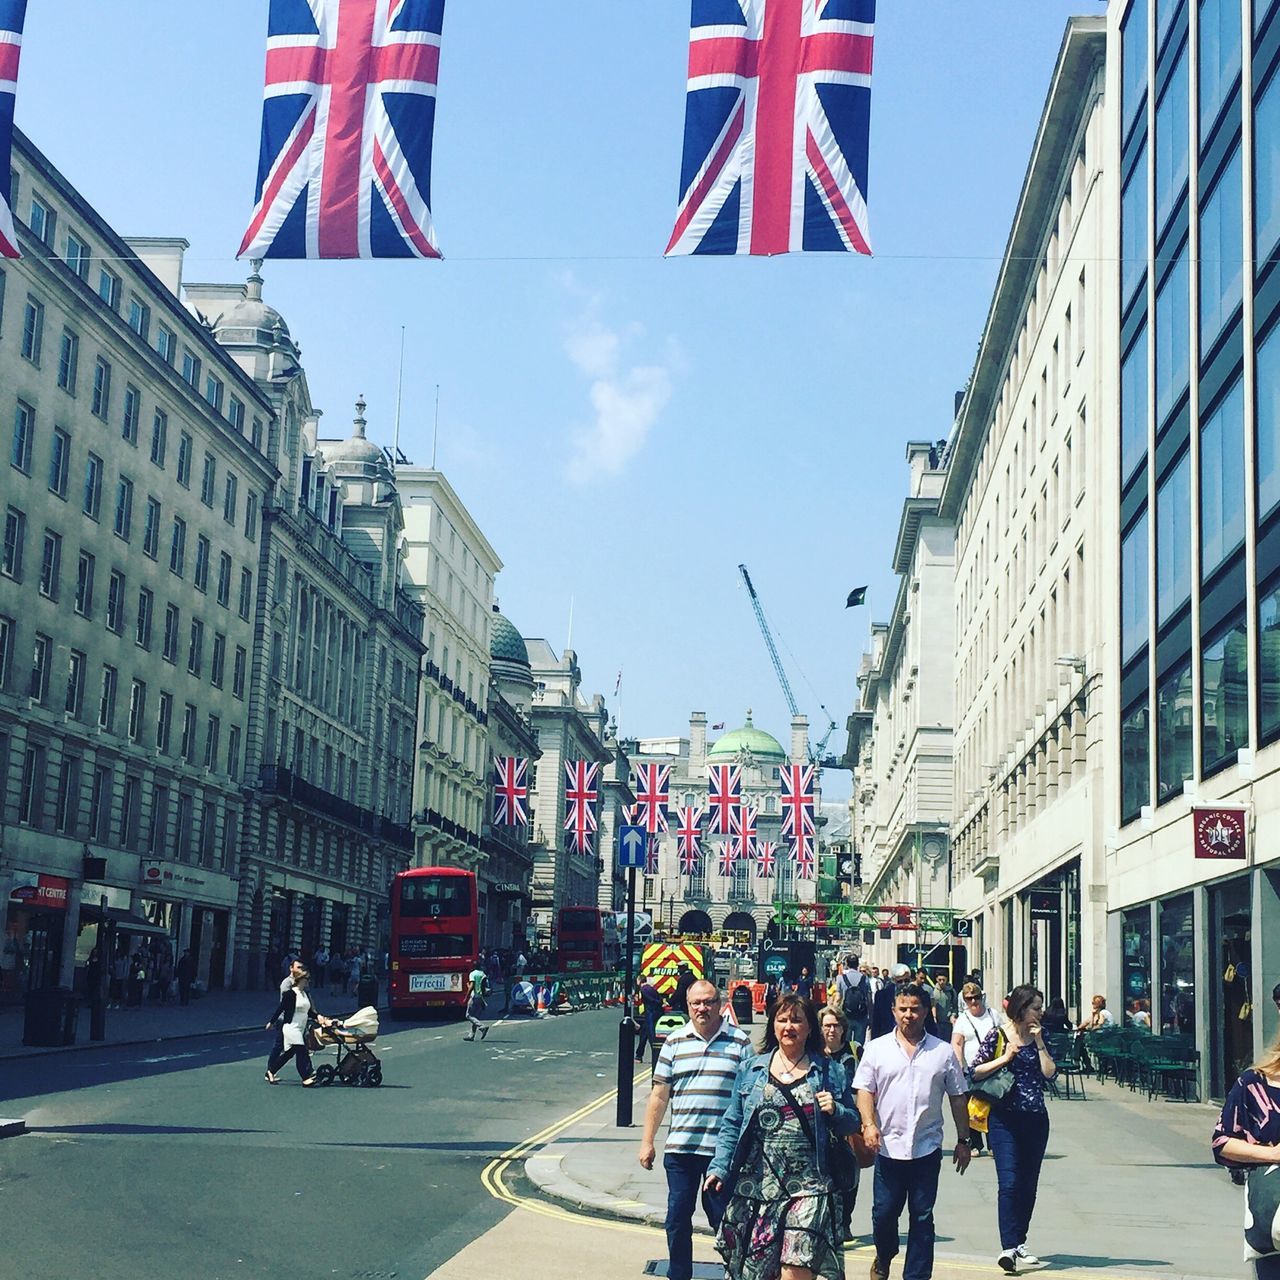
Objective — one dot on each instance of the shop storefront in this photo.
(191, 907)
(1051, 921)
(35, 922)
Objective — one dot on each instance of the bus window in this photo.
(435, 896)
(579, 920)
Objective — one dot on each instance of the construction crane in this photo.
(816, 755)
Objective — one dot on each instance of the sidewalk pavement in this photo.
(1129, 1190)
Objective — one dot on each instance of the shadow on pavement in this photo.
(1079, 1260)
(116, 1129)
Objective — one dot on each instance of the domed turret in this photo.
(763, 747)
(252, 322)
(505, 642)
(359, 450)
(509, 662)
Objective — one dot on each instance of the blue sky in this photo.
(625, 429)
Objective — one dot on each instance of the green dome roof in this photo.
(763, 746)
(505, 642)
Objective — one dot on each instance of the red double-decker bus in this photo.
(586, 939)
(435, 932)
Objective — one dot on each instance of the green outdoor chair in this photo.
(1062, 1050)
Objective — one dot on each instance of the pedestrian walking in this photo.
(291, 1015)
(119, 978)
(353, 972)
(883, 1017)
(337, 972)
(944, 1003)
(1247, 1138)
(845, 1173)
(477, 987)
(521, 963)
(684, 980)
(853, 992)
(804, 984)
(320, 964)
(649, 1001)
(493, 971)
(969, 1030)
(286, 985)
(1018, 1126)
(901, 1083)
(186, 971)
(137, 978)
(790, 1105)
(695, 1076)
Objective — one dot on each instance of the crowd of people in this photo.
(146, 972)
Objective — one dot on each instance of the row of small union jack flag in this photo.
(777, 120)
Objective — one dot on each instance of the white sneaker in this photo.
(1008, 1261)
(1026, 1258)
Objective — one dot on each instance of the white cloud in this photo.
(626, 401)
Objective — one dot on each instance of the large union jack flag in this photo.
(766, 858)
(689, 838)
(581, 791)
(728, 856)
(805, 866)
(348, 118)
(653, 793)
(724, 796)
(777, 120)
(510, 792)
(743, 837)
(799, 809)
(12, 15)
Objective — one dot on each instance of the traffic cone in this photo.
(542, 998)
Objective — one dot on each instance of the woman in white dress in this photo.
(293, 1011)
(972, 1023)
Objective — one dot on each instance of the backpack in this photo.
(853, 997)
(482, 987)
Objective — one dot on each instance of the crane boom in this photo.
(768, 639)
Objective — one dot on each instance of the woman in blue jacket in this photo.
(789, 1104)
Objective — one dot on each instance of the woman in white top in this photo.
(972, 1023)
(293, 1011)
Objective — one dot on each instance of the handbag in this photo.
(1262, 1210)
(841, 1159)
(998, 1085)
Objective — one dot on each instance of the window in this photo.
(15, 536)
(178, 546)
(100, 803)
(1173, 307)
(1133, 407)
(235, 414)
(67, 810)
(32, 330)
(1177, 966)
(77, 255)
(213, 391)
(238, 665)
(139, 316)
(51, 564)
(1219, 57)
(101, 388)
(132, 412)
(246, 593)
(24, 430)
(164, 722)
(84, 585)
(195, 653)
(233, 753)
(146, 610)
(130, 807)
(7, 640)
(251, 515)
(76, 667)
(151, 528)
(1172, 131)
(190, 368)
(68, 360)
(1173, 541)
(32, 792)
(230, 499)
(217, 659)
(1134, 230)
(183, 823)
(1266, 172)
(1174, 720)
(188, 746)
(1222, 481)
(107, 703)
(208, 479)
(255, 433)
(123, 522)
(166, 343)
(59, 462)
(159, 436)
(1221, 253)
(137, 709)
(224, 579)
(172, 621)
(1133, 88)
(211, 734)
(115, 601)
(41, 665)
(1224, 705)
(92, 486)
(201, 575)
(43, 221)
(109, 287)
(185, 448)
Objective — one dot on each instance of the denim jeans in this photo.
(685, 1176)
(1267, 1268)
(1018, 1140)
(912, 1184)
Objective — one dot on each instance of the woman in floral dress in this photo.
(782, 1221)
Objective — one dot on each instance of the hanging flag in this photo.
(344, 168)
(653, 793)
(724, 795)
(510, 792)
(651, 856)
(743, 837)
(581, 791)
(777, 120)
(12, 15)
(689, 838)
(766, 857)
(799, 808)
(805, 867)
(728, 856)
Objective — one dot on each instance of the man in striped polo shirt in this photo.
(695, 1074)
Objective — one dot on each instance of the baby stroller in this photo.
(356, 1062)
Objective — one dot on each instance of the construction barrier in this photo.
(569, 992)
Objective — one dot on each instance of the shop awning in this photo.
(124, 921)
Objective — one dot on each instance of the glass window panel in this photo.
(1135, 233)
(1172, 129)
(1175, 714)
(1177, 966)
(1173, 541)
(1173, 368)
(1222, 481)
(1133, 407)
(1268, 412)
(1221, 253)
(1135, 938)
(1134, 55)
(1219, 56)
(1134, 583)
(1266, 137)
(1224, 694)
(1166, 11)
(1135, 761)
(1269, 664)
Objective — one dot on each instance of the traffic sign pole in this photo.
(627, 1028)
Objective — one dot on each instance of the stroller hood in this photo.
(364, 1021)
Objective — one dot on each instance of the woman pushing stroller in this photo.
(292, 1014)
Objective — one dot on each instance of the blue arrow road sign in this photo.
(632, 842)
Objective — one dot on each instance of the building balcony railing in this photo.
(430, 818)
(285, 783)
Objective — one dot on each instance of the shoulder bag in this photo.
(999, 1084)
(1262, 1211)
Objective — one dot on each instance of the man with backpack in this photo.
(477, 989)
(853, 991)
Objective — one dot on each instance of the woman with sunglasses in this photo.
(973, 1024)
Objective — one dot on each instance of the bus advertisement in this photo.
(435, 929)
(587, 940)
